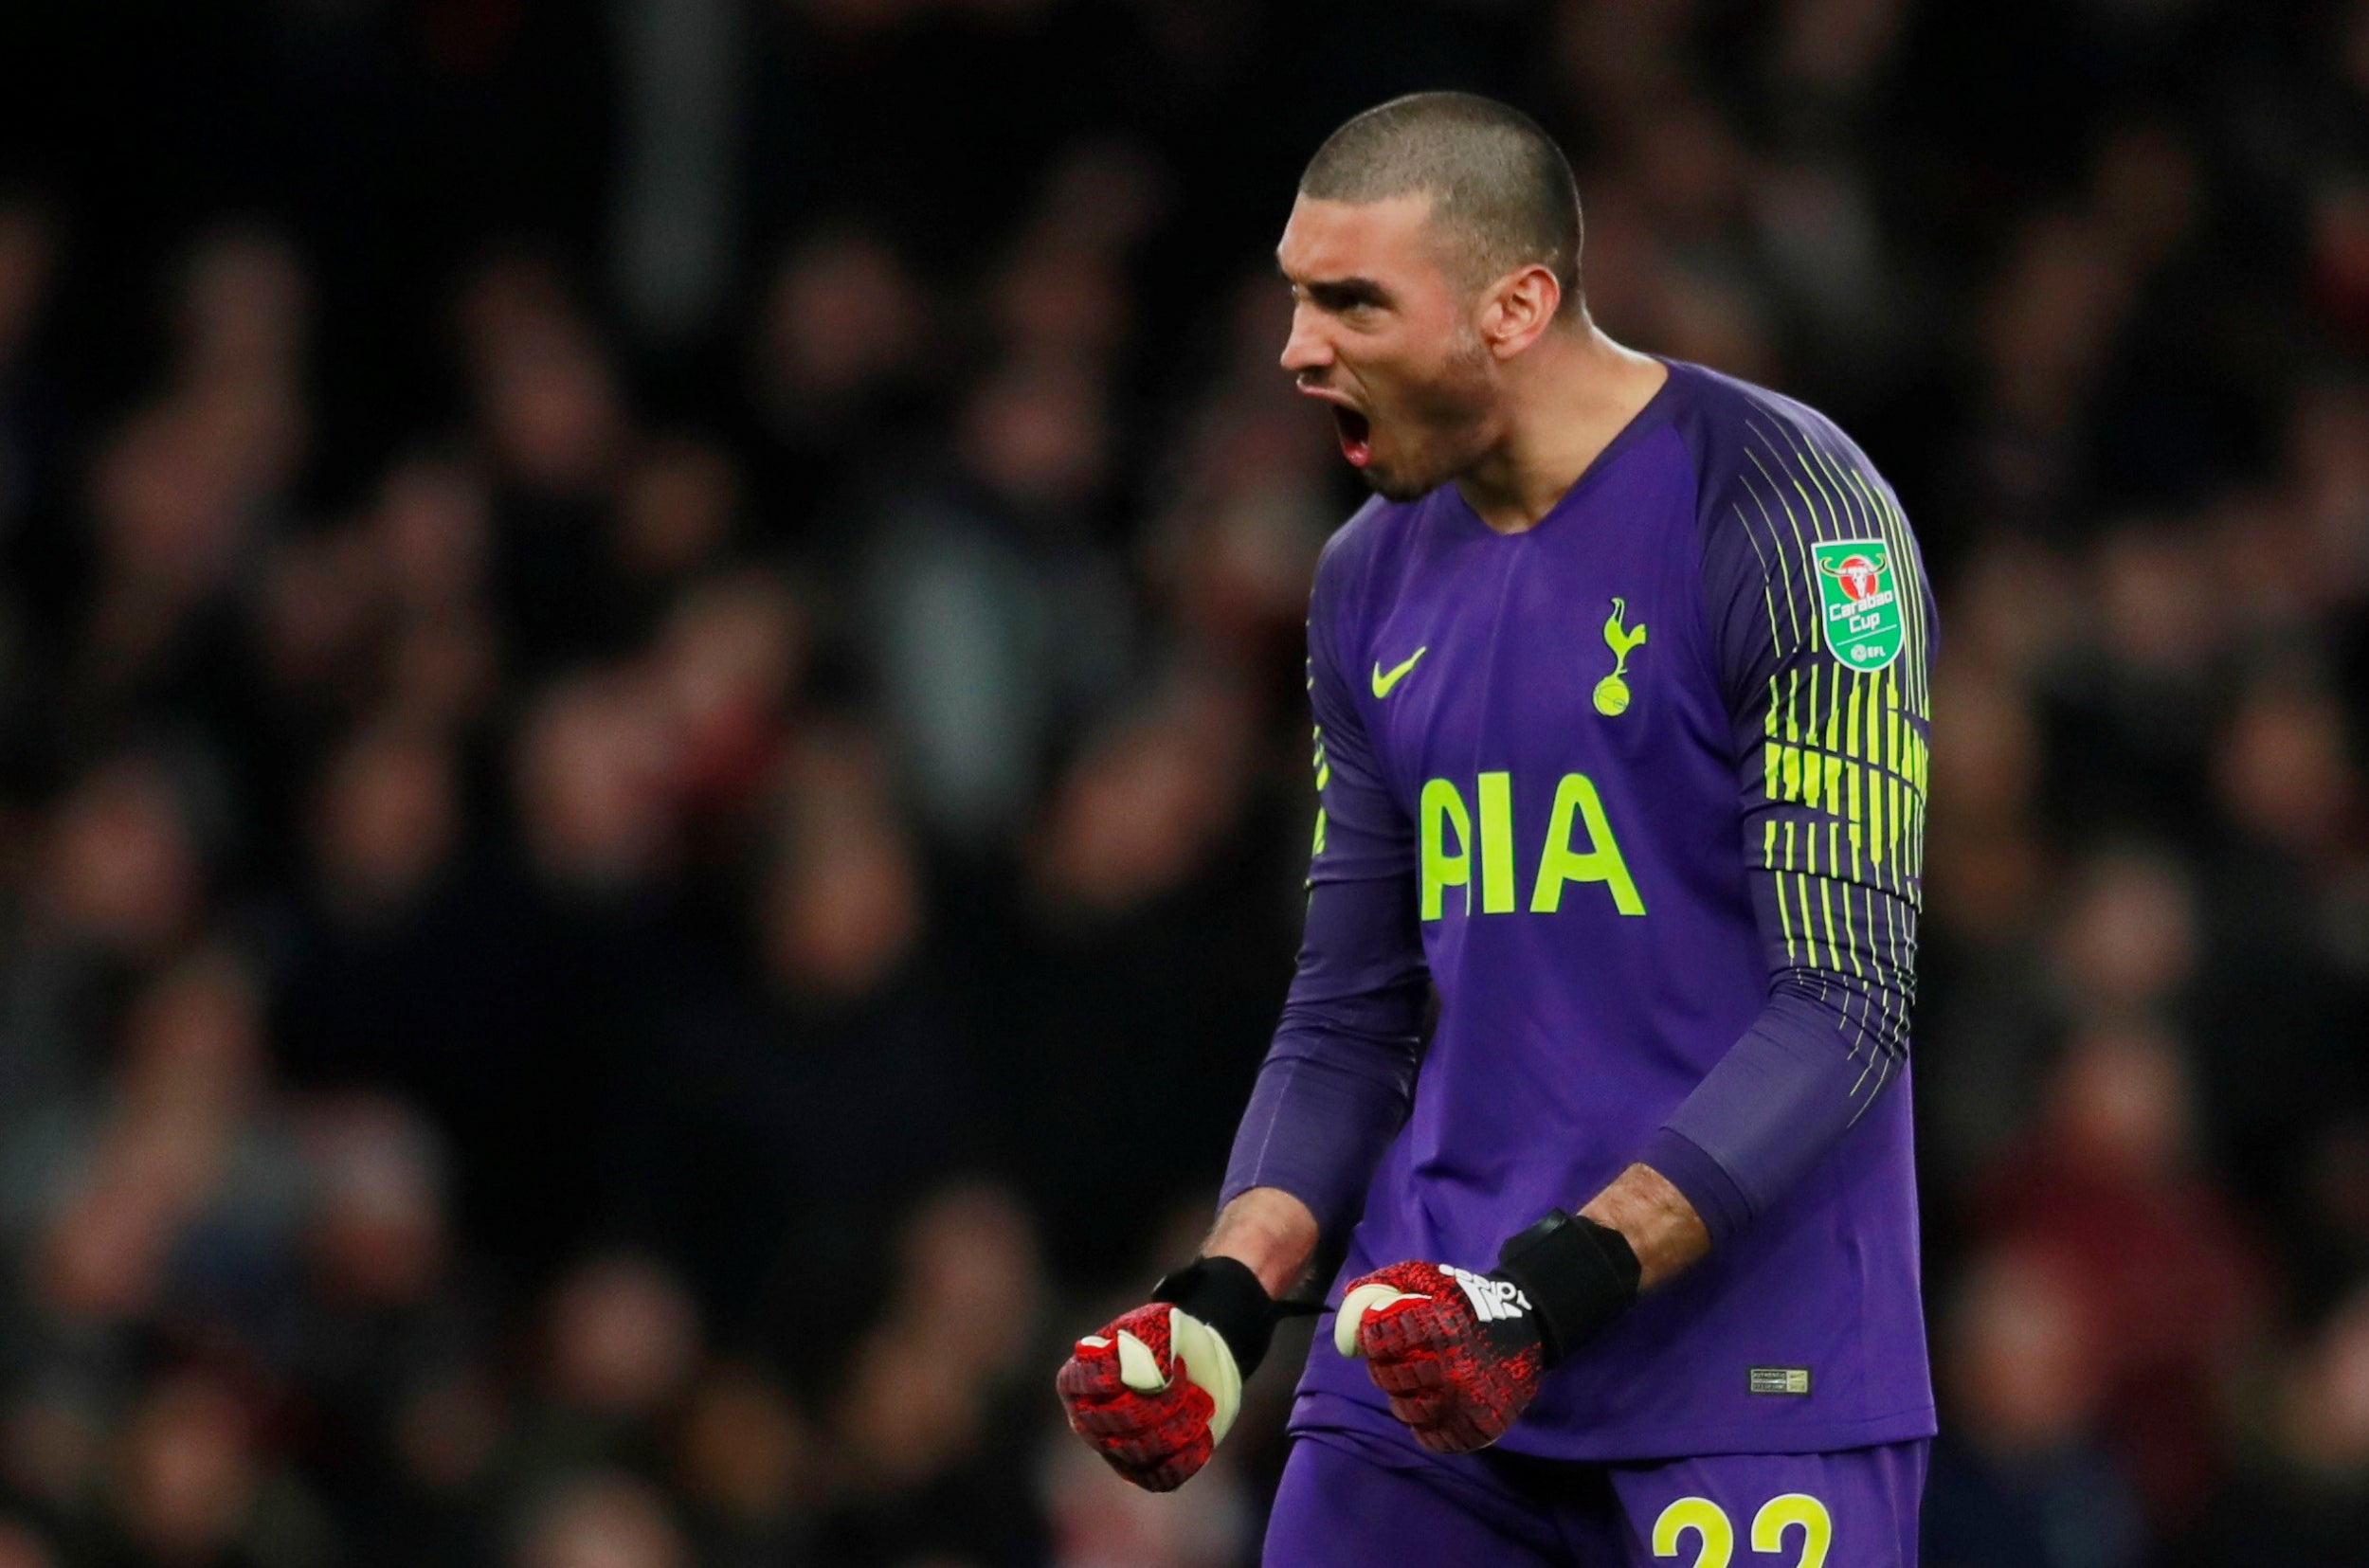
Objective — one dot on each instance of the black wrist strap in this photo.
(1223, 1293)
(1579, 1276)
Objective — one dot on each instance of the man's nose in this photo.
(1307, 349)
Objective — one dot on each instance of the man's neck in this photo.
(1572, 397)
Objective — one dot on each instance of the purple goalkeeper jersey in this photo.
(1639, 793)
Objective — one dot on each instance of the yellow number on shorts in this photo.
(1705, 1519)
(1780, 1514)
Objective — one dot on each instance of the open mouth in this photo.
(1356, 434)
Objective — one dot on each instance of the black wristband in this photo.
(1223, 1293)
(1579, 1276)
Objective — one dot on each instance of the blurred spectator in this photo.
(604, 1522)
(173, 1194)
(2109, 1186)
(1245, 510)
(998, 621)
(2127, 948)
(744, 1465)
(2281, 996)
(388, 821)
(844, 320)
(678, 512)
(2018, 1479)
(727, 657)
(192, 1487)
(119, 877)
(841, 368)
(1139, 858)
(915, 1468)
(29, 255)
(592, 773)
(2300, 1500)
(555, 428)
(622, 1339)
(798, 1108)
(391, 1324)
(1101, 1521)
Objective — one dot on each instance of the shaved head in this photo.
(1502, 196)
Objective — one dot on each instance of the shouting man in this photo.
(1621, 720)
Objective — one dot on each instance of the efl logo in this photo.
(1861, 600)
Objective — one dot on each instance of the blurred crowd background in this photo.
(652, 773)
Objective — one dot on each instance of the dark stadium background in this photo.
(653, 780)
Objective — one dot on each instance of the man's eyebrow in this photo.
(1339, 294)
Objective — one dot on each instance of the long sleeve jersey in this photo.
(1639, 793)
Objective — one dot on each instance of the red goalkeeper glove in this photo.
(1460, 1354)
(1156, 1389)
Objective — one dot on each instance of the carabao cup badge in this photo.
(1859, 601)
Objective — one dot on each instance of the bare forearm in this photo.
(1268, 1230)
(1661, 1226)
(1275, 1235)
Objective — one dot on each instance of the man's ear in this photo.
(1521, 306)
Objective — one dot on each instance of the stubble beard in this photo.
(1445, 417)
(1390, 487)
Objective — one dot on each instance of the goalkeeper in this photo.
(1622, 715)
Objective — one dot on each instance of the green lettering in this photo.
(1439, 806)
(1496, 843)
(1559, 863)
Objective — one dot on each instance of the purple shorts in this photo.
(1351, 1501)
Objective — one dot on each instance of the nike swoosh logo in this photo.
(1383, 682)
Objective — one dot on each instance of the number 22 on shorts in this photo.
(1718, 1537)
